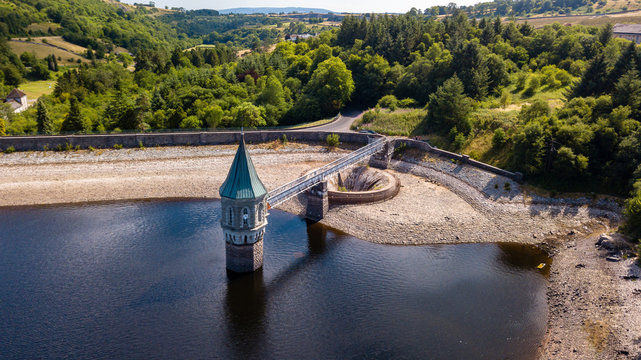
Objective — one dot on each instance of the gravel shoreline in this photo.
(439, 203)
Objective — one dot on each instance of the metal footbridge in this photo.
(307, 181)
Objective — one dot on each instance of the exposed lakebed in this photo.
(148, 280)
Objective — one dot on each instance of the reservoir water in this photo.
(147, 280)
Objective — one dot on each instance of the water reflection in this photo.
(134, 285)
(524, 257)
(316, 238)
(245, 303)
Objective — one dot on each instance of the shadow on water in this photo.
(247, 294)
(523, 257)
(245, 304)
(316, 238)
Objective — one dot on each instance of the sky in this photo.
(361, 6)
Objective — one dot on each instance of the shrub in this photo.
(506, 99)
(10, 150)
(521, 79)
(407, 103)
(400, 149)
(532, 87)
(388, 101)
(190, 122)
(68, 147)
(332, 140)
(632, 212)
(117, 146)
(459, 141)
(499, 139)
(283, 139)
(91, 148)
(141, 145)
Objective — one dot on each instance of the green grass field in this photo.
(44, 27)
(35, 89)
(403, 122)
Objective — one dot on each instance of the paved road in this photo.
(342, 125)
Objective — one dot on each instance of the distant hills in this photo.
(268, 10)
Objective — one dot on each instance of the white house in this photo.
(18, 100)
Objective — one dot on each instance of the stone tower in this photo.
(244, 213)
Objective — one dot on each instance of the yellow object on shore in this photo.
(541, 266)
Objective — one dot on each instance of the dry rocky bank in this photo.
(594, 304)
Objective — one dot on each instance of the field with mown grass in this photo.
(44, 27)
(35, 89)
(57, 41)
(44, 50)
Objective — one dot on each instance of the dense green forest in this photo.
(519, 7)
(457, 73)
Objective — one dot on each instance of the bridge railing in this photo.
(293, 188)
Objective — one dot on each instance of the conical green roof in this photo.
(242, 180)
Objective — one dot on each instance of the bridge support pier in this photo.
(381, 159)
(317, 202)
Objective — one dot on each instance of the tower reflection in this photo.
(245, 303)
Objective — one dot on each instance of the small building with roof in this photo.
(243, 213)
(628, 31)
(18, 100)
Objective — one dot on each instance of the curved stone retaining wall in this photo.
(360, 197)
(465, 159)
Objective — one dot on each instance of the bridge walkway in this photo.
(307, 181)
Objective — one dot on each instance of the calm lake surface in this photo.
(147, 280)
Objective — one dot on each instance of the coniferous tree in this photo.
(45, 124)
(594, 79)
(627, 91)
(605, 34)
(449, 107)
(626, 62)
(73, 121)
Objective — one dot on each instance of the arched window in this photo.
(245, 217)
(230, 217)
(261, 212)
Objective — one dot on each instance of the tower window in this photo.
(261, 212)
(230, 217)
(245, 217)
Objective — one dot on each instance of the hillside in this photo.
(273, 10)
(538, 8)
(99, 24)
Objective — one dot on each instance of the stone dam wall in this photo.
(31, 143)
(36, 143)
